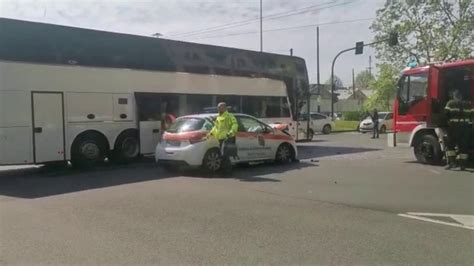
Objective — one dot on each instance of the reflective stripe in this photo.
(450, 153)
(459, 120)
(463, 156)
(452, 109)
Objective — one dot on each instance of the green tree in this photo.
(363, 80)
(429, 30)
(384, 88)
(337, 82)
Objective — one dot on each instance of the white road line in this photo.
(415, 216)
(462, 218)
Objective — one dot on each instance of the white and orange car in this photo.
(186, 143)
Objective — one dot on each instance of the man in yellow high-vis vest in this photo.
(224, 130)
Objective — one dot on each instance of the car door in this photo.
(389, 121)
(320, 121)
(250, 139)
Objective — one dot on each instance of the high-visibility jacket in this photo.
(459, 111)
(225, 126)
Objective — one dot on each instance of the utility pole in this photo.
(317, 60)
(370, 64)
(318, 82)
(291, 51)
(261, 26)
(353, 83)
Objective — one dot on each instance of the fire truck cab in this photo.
(422, 94)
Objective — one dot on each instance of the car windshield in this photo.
(186, 124)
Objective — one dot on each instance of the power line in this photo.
(238, 23)
(287, 28)
(250, 21)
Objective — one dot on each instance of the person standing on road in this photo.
(459, 116)
(224, 130)
(375, 122)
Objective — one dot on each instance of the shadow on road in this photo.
(49, 181)
(311, 152)
(263, 172)
(469, 166)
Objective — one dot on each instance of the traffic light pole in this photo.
(393, 40)
(332, 78)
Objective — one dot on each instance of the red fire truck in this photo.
(423, 92)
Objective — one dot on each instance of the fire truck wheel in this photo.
(427, 150)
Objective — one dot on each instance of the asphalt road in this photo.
(339, 205)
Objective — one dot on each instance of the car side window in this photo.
(317, 117)
(389, 116)
(247, 124)
(208, 125)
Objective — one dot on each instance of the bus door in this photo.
(152, 108)
(48, 126)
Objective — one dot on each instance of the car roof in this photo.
(211, 115)
(316, 113)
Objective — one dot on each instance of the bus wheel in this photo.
(427, 150)
(127, 147)
(88, 150)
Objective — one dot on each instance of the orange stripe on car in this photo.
(184, 135)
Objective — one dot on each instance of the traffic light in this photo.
(393, 38)
(359, 47)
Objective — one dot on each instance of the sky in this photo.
(231, 23)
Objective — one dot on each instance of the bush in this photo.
(353, 116)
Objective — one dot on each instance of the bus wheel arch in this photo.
(89, 148)
(126, 146)
(426, 147)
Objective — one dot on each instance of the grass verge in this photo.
(342, 125)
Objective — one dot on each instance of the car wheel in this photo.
(212, 161)
(327, 129)
(383, 129)
(127, 147)
(284, 154)
(88, 151)
(428, 150)
(310, 135)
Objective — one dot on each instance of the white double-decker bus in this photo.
(84, 95)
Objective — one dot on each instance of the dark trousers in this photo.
(459, 135)
(376, 130)
(228, 149)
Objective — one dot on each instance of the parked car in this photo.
(318, 123)
(185, 143)
(385, 123)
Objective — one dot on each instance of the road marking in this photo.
(464, 221)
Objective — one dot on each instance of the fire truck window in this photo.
(403, 89)
(418, 87)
